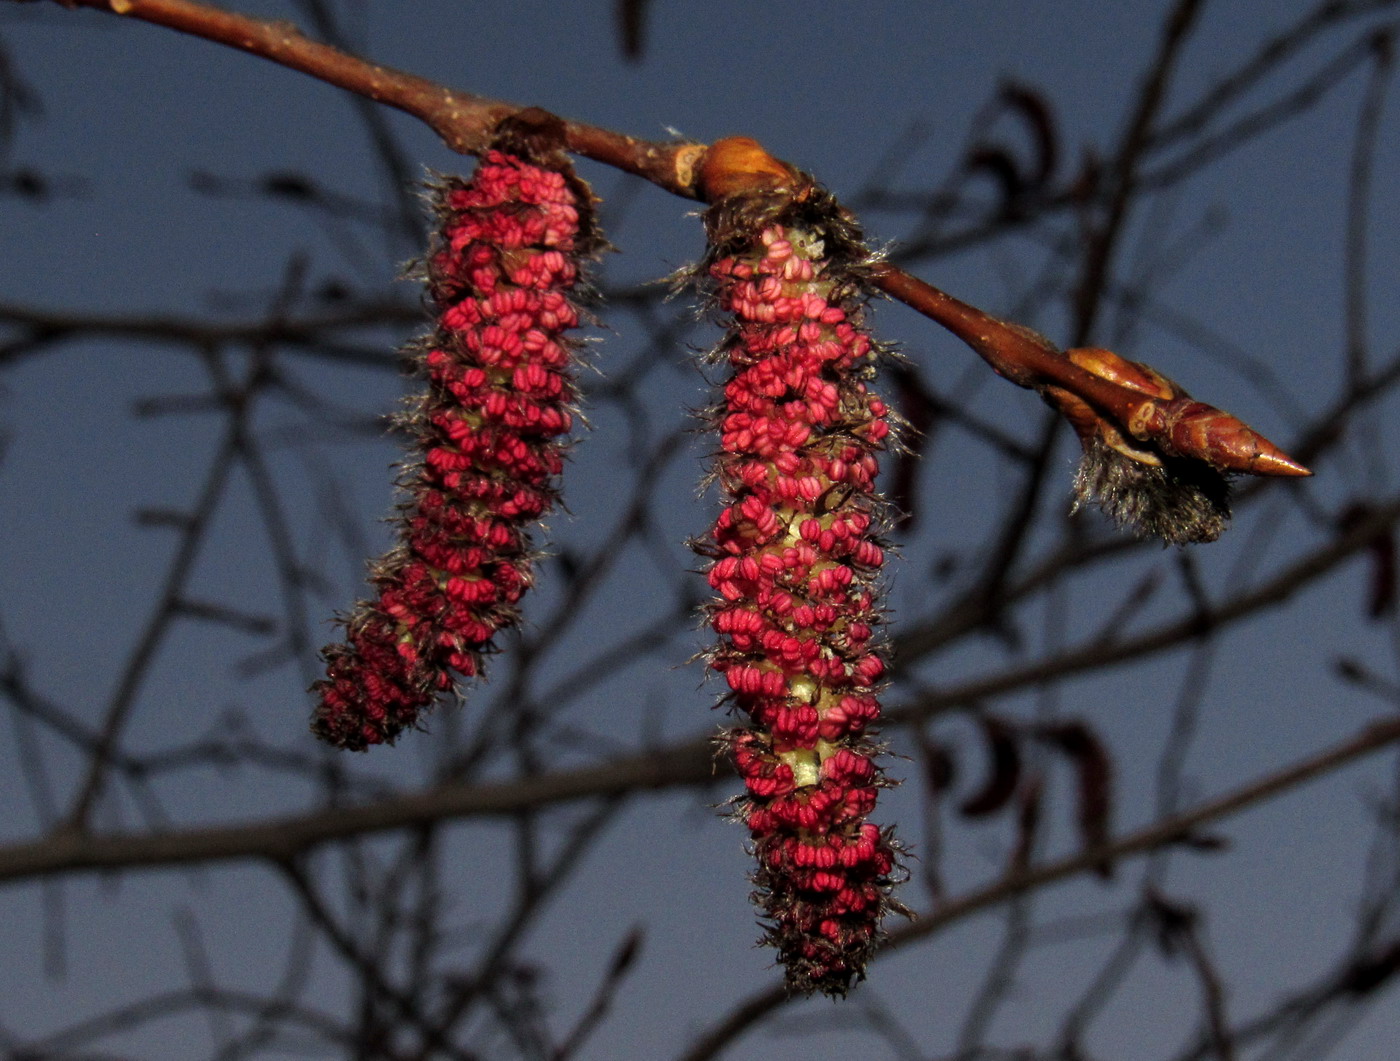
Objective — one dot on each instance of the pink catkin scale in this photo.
(795, 569)
(488, 442)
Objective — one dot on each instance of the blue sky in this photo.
(131, 112)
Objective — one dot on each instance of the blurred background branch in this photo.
(196, 459)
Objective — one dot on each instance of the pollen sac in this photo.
(1182, 502)
(795, 568)
(488, 435)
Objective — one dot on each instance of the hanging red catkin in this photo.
(488, 441)
(796, 560)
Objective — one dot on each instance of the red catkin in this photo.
(795, 566)
(488, 442)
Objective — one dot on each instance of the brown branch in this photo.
(1030, 360)
(370, 969)
(1271, 54)
(682, 765)
(130, 1016)
(35, 328)
(465, 122)
(152, 636)
(1104, 238)
(1098, 654)
(1382, 49)
(282, 839)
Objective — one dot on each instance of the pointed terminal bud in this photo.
(1194, 429)
(1154, 459)
(1174, 421)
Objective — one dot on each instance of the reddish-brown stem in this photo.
(1017, 353)
(467, 122)
(464, 121)
(1031, 360)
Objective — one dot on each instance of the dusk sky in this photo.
(153, 145)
